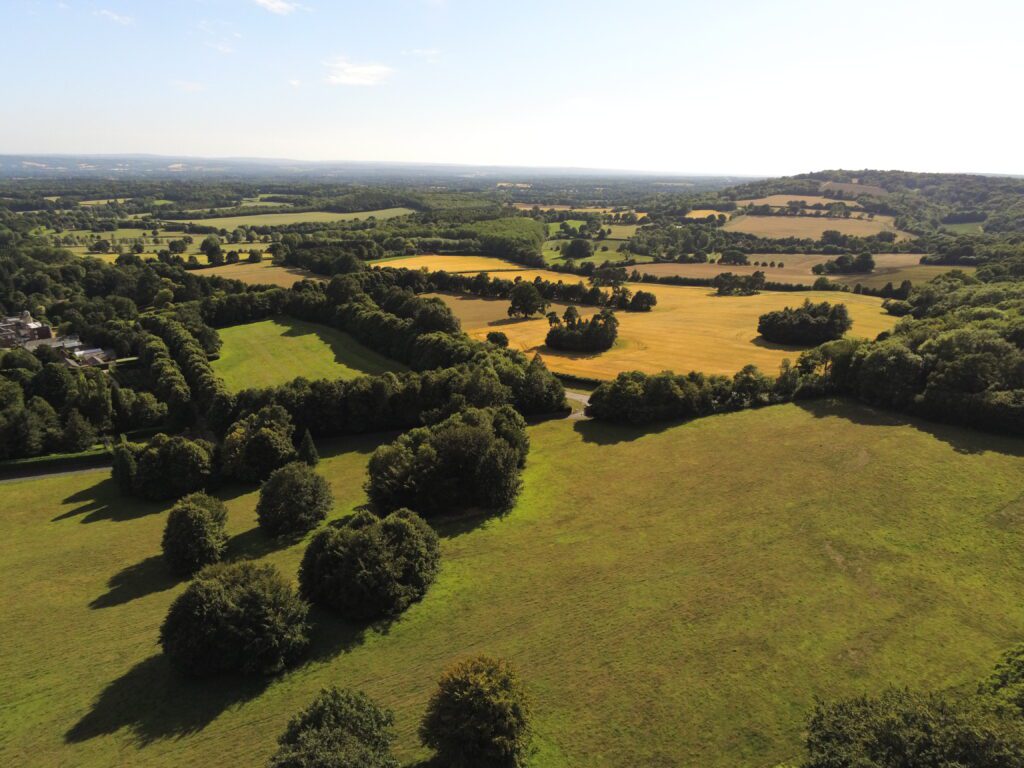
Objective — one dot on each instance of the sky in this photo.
(763, 87)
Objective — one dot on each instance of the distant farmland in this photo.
(263, 272)
(782, 201)
(281, 219)
(811, 226)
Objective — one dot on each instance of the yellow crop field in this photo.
(798, 266)
(811, 226)
(702, 213)
(690, 329)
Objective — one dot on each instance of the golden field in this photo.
(782, 201)
(262, 273)
(690, 329)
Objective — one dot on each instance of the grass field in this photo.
(275, 351)
(280, 219)
(702, 213)
(811, 226)
(665, 605)
(966, 228)
(690, 329)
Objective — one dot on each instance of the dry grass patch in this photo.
(782, 201)
(436, 263)
(261, 273)
(797, 269)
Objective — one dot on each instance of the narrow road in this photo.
(583, 398)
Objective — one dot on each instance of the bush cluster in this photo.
(470, 460)
(239, 617)
(164, 468)
(574, 334)
(808, 324)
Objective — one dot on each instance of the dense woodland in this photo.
(176, 432)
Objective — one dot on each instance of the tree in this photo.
(497, 338)
(194, 535)
(237, 617)
(478, 716)
(526, 300)
(341, 728)
(577, 249)
(259, 443)
(165, 467)
(809, 324)
(293, 500)
(371, 567)
(79, 434)
(594, 335)
(307, 450)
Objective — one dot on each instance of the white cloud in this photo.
(280, 7)
(341, 71)
(117, 18)
(429, 55)
(295, 83)
(188, 86)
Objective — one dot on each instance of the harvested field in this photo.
(262, 273)
(782, 201)
(811, 226)
(435, 263)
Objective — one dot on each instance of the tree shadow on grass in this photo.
(104, 501)
(255, 544)
(154, 703)
(961, 439)
(453, 526)
(143, 578)
(761, 341)
(605, 433)
(347, 351)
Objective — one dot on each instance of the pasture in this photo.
(281, 219)
(689, 329)
(272, 352)
(663, 608)
(811, 226)
(702, 213)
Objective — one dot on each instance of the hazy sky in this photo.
(766, 87)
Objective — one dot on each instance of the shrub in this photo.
(809, 324)
(194, 536)
(239, 617)
(478, 716)
(471, 459)
(341, 728)
(371, 567)
(293, 500)
(307, 450)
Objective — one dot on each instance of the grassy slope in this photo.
(679, 604)
(280, 219)
(274, 351)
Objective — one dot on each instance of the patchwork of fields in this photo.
(272, 352)
(666, 607)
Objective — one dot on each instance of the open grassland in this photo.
(281, 219)
(782, 201)
(852, 189)
(261, 273)
(811, 226)
(275, 351)
(797, 269)
(665, 603)
(690, 329)
(104, 201)
(965, 228)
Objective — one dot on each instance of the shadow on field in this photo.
(346, 350)
(154, 703)
(458, 525)
(138, 580)
(761, 341)
(104, 501)
(961, 439)
(603, 433)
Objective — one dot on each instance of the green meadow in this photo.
(664, 607)
(275, 351)
(282, 219)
